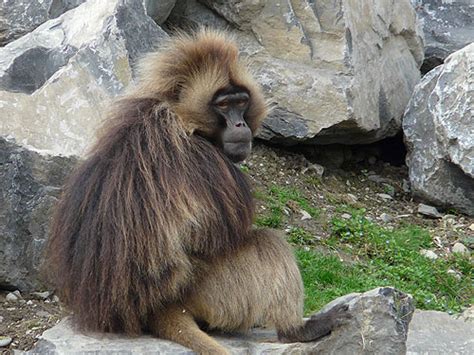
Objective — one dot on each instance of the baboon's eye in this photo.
(242, 103)
(223, 105)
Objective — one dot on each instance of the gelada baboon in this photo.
(154, 230)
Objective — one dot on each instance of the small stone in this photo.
(385, 217)
(471, 227)
(318, 169)
(460, 248)
(428, 211)
(429, 254)
(17, 293)
(352, 197)
(406, 186)
(386, 197)
(29, 302)
(1, 319)
(11, 297)
(41, 295)
(456, 274)
(43, 314)
(346, 216)
(55, 299)
(376, 178)
(305, 215)
(5, 341)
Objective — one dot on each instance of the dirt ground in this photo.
(378, 187)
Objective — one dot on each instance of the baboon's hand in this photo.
(334, 317)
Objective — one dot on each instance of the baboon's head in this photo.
(209, 88)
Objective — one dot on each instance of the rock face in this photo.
(434, 332)
(447, 25)
(30, 184)
(379, 325)
(57, 81)
(159, 10)
(18, 17)
(337, 71)
(439, 133)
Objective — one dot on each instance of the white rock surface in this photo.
(439, 133)
(338, 71)
(18, 17)
(58, 80)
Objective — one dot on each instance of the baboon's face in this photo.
(230, 105)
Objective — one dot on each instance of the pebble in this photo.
(352, 197)
(41, 295)
(5, 341)
(305, 215)
(29, 302)
(1, 319)
(385, 197)
(55, 299)
(429, 254)
(43, 314)
(460, 248)
(406, 186)
(429, 211)
(456, 274)
(471, 227)
(346, 216)
(318, 169)
(385, 217)
(11, 297)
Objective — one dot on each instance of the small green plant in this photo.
(300, 237)
(276, 199)
(244, 168)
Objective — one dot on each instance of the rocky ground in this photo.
(379, 188)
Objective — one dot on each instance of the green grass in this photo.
(275, 199)
(387, 258)
(325, 278)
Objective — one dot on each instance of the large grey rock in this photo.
(439, 134)
(56, 82)
(159, 10)
(447, 25)
(29, 186)
(337, 71)
(438, 333)
(18, 17)
(379, 326)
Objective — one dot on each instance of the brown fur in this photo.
(153, 230)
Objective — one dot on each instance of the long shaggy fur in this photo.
(152, 194)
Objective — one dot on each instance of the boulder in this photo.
(159, 10)
(447, 25)
(379, 325)
(30, 185)
(335, 71)
(439, 134)
(18, 17)
(433, 332)
(56, 82)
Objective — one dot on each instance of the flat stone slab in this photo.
(63, 339)
(434, 333)
(378, 324)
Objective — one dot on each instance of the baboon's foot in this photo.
(318, 325)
